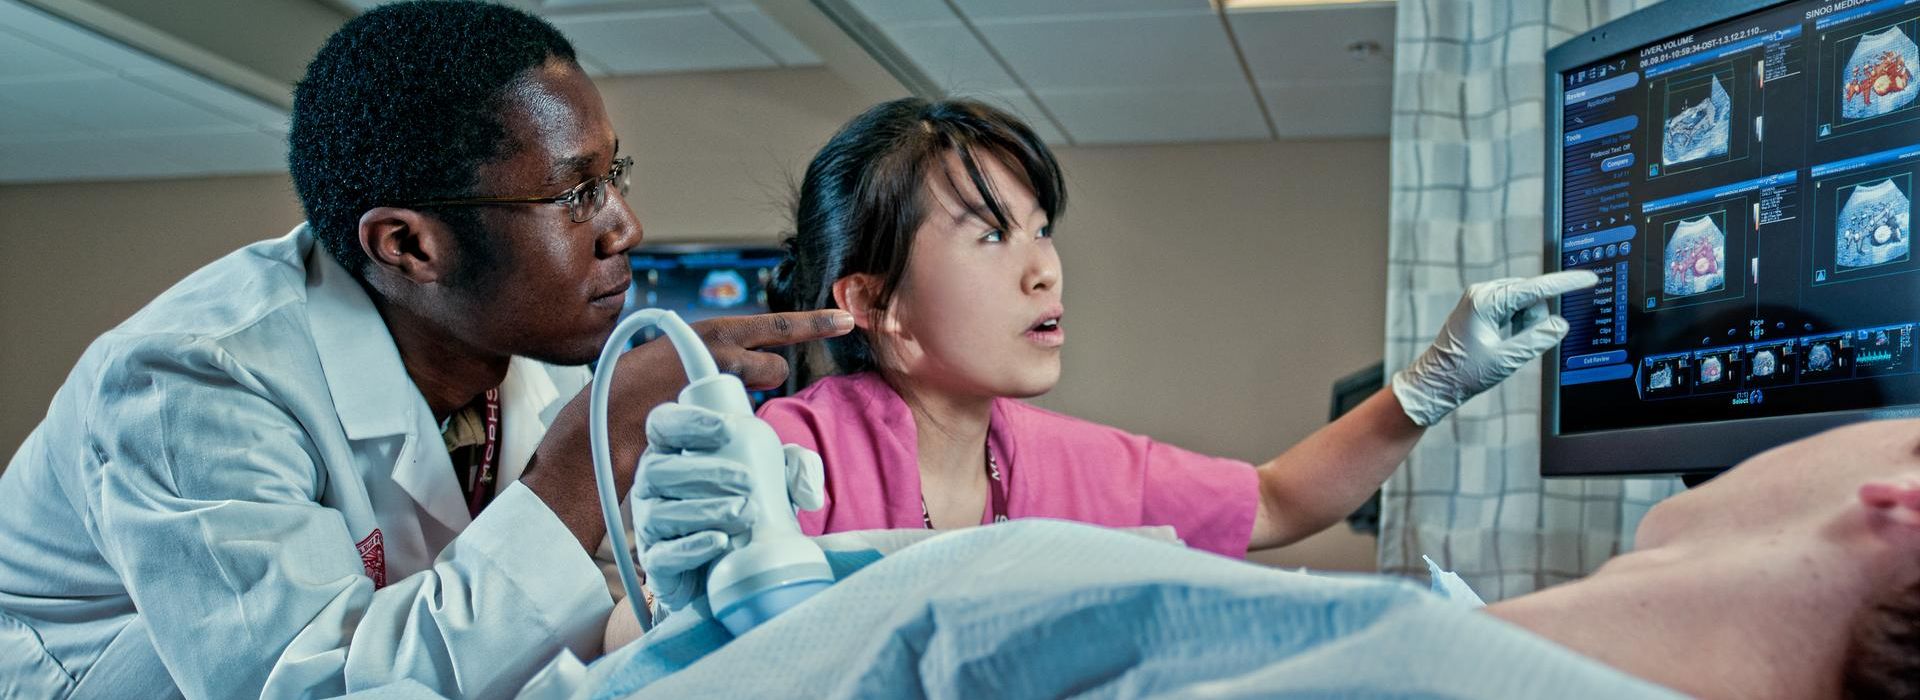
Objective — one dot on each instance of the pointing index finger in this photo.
(791, 327)
(1558, 283)
(1520, 294)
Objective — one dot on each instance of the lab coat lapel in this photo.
(372, 392)
(524, 397)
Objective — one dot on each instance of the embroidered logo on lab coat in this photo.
(373, 556)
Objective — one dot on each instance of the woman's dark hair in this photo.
(865, 193)
(403, 103)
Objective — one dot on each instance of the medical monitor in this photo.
(699, 281)
(1741, 175)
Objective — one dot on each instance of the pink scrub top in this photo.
(1054, 466)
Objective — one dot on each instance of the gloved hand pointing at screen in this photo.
(1474, 350)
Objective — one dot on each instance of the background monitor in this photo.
(1741, 176)
(705, 280)
(1348, 393)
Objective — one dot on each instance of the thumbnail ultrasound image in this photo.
(1696, 256)
(1716, 371)
(1872, 226)
(1826, 358)
(1821, 357)
(1662, 378)
(1665, 378)
(1699, 123)
(1878, 75)
(1771, 365)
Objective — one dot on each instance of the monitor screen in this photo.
(1744, 189)
(700, 281)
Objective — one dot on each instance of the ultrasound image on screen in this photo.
(1703, 126)
(1696, 256)
(1872, 226)
(1876, 79)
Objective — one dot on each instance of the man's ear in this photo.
(855, 294)
(407, 243)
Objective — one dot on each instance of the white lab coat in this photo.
(193, 509)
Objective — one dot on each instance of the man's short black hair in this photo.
(403, 104)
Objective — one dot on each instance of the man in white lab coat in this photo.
(356, 454)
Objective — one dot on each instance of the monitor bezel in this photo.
(1661, 450)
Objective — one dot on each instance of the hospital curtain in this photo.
(1468, 122)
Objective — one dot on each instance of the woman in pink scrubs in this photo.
(932, 223)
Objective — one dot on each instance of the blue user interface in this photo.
(704, 281)
(1745, 192)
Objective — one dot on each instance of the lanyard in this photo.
(996, 493)
(480, 488)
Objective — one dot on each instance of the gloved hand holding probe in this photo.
(689, 504)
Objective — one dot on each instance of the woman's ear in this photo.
(855, 293)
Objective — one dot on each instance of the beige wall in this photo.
(1215, 291)
(78, 258)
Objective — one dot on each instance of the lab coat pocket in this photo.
(35, 673)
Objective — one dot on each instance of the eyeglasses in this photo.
(583, 201)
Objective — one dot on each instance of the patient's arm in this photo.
(621, 627)
(1326, 476)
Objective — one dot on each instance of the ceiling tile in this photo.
(1301, 111)
(951, 57)
(240, 110)
(84, 159)
(784, 46)
(1163, 115)
(111, 157)
(1310, 46)
(1019, 9)
(561, 6)
(889, 13)
(1175, 51)
(22, 56)
(220, 152)
(1026, 109)
(22, 122)
(77, 106)
(108, 104)
(662, 41)
(77, 44)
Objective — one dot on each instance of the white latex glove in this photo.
(1474, 351)
(688, 503)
